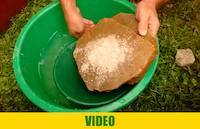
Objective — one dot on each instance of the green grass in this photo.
(172, 88)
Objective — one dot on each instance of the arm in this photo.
(68, 6)
(76, 23)
(147, 17)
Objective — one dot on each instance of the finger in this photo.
(88, 26)
(154, 25)
(142, 27)
(78, 10)
(77, 35)
(87, 22)
(142, 18)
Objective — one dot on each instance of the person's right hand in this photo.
(76, 23)
(147, 17)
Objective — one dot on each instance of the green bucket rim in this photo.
(45, 105)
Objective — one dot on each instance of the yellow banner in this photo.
(100, 120)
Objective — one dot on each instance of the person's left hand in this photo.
(147, 17)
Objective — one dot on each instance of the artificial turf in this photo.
(172, 88)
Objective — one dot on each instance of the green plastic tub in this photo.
(38, 53)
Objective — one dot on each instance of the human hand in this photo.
(147, 17)
(76, 23)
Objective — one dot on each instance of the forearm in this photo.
(68, 6)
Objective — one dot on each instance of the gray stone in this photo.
(184, 57)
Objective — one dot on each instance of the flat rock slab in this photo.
(111, 54)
